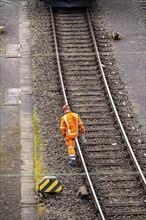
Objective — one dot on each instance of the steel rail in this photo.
(90, 182)
(58, 61)
(66, 102)
(113, 105)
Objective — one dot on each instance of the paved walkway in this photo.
(17, 165)
(28, 202)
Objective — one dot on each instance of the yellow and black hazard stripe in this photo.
(50, 185)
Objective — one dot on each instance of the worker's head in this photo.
(66, 108)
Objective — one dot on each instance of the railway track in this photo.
(118, 181)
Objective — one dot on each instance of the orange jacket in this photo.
(69, 125)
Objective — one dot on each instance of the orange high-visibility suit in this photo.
(69, 125)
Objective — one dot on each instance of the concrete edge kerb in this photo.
(28, 201)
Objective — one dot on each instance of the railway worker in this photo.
(69, 125)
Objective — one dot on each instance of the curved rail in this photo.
(114, 107)
(66, 102)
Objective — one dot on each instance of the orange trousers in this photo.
(70, 142)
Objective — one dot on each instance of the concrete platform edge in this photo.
(28, 201)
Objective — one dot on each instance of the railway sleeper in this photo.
(79, 77)
(125, 213)
(84, 54)
(119, 178)
(94, 99)
(97, 111)
(124, 204)
(89, 93)
(112, 170)
(72, 34)
(69, 51)
(104, 112)
(78, 86)
(93, 144)
(102, 142)
(68, 20)
(103, 149)
(113, 156)
(78, 59)
(100, 128)
(84, 89)
(80, 68)
(73, 28)
(101, 105)
(99, 132)
(75, 46)
(84, 86)
(74, 25)
(109, 164)
(120, 186)
(96, 117)
(103, 136)
(99, 98)
(81, 73)
(105, 160)
(68, 37)
(133, 194)
(101, 122)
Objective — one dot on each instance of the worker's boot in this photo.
(72, 160)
